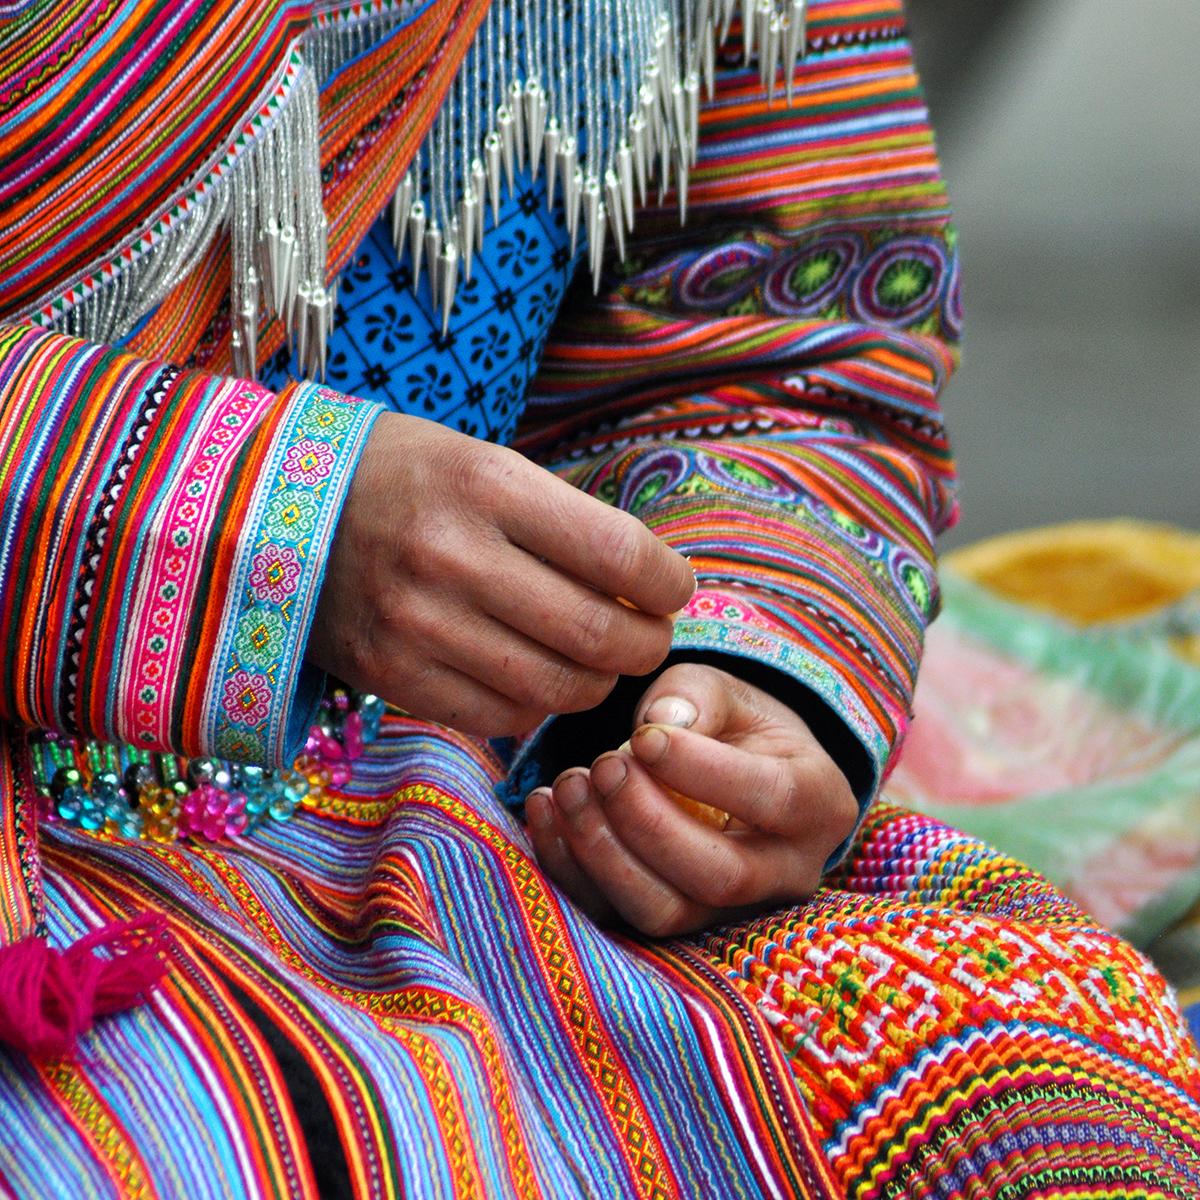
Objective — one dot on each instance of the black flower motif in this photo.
(490, 347)
(504, 299)
(429, 387)
(389, 327)
(468, 293)
(518, 253)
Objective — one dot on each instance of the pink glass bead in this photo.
(212, 826)
(352, 730)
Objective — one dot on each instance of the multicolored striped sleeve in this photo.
(163, 535)
(761, 385)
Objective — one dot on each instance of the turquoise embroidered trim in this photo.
(261, 700)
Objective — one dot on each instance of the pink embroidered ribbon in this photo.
(48, 997)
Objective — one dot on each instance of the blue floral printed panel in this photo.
(387, 344)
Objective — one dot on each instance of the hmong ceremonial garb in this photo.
(368, 987)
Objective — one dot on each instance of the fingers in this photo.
(513, 665)
(639, 894)
(602, 546)
(439, 693)
(580, 623)
(708, 867)
(800, 796)
(556, 859)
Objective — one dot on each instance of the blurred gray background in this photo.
(1070, 136)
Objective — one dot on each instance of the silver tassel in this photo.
(535, 123)
(612, 197)
(516, 106)
(447, 264)
(433, 247)
(625, 175)
(508, 139)
(401, 203)
(416, 239)
(491, 149)
(551, 142)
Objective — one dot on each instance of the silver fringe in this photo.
(605, 99)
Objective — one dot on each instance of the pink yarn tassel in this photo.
(48, 998)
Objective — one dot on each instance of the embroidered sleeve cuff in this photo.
(260, 696)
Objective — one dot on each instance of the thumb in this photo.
(691, 696)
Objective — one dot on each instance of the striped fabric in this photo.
(146, 97)
(384, 995)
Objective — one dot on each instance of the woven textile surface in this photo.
(383, 995)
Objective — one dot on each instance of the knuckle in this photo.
(808, 877)
(786, 791)
(841, 806)
(592, 633)
(664, 920)
(732, 884)
(649, 649)
(559, 687)
(433, 554)
(475, 468)
(642, 824)
(623, 549)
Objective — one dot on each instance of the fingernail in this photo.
(671, 710)
(571, 793)
(537, 808)
(608, 773)
(650, 743)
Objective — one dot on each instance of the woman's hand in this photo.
(471, 587)
(614, 841)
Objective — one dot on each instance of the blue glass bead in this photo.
(282, 809)
(92, 816)
(252, 777)
(293, 785)
(69, 804)
(371, 709)
(130, 825)
(108, 793)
